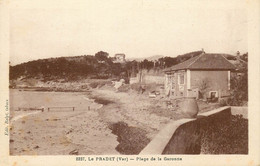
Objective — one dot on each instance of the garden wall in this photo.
(154, 79)
(147, 79)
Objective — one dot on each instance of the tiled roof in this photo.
(204, 61)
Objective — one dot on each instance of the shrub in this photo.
(98, 84)
(93, 84)
(223, 102)
(124, 88)
(227, 137)
(239, 90)
(136, 86)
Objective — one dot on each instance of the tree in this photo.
(101, 56)
(204, 85)
(145, 64)
(239, 89)
(245, 57)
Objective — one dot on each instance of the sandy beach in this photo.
(58, 131)
(100, 123)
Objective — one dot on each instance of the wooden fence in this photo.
(60, 108)
(30, 109)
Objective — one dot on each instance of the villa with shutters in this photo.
(201, 76)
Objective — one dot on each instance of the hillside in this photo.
(70, 68)
(150, 58)
(99, 66)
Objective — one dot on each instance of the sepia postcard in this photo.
(119, 82)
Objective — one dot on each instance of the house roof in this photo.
(204, 61)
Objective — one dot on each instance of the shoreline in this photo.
(13, 119)
(64, 131)
(50, 89)
(100, 124)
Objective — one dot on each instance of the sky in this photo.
(138, 28)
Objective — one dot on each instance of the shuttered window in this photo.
(180, 79)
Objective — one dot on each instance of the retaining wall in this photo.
(184, 136)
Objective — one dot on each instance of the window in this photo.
(173, 83)
(169, 79)
(180, 79)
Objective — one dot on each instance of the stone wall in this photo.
(147, 79)
(153, 79)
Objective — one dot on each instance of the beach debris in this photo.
(157, 93)
(74, 152)
(152, 94)
(36, 147)
(119, 83)
(69, 131)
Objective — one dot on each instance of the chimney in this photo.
(238, 55)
